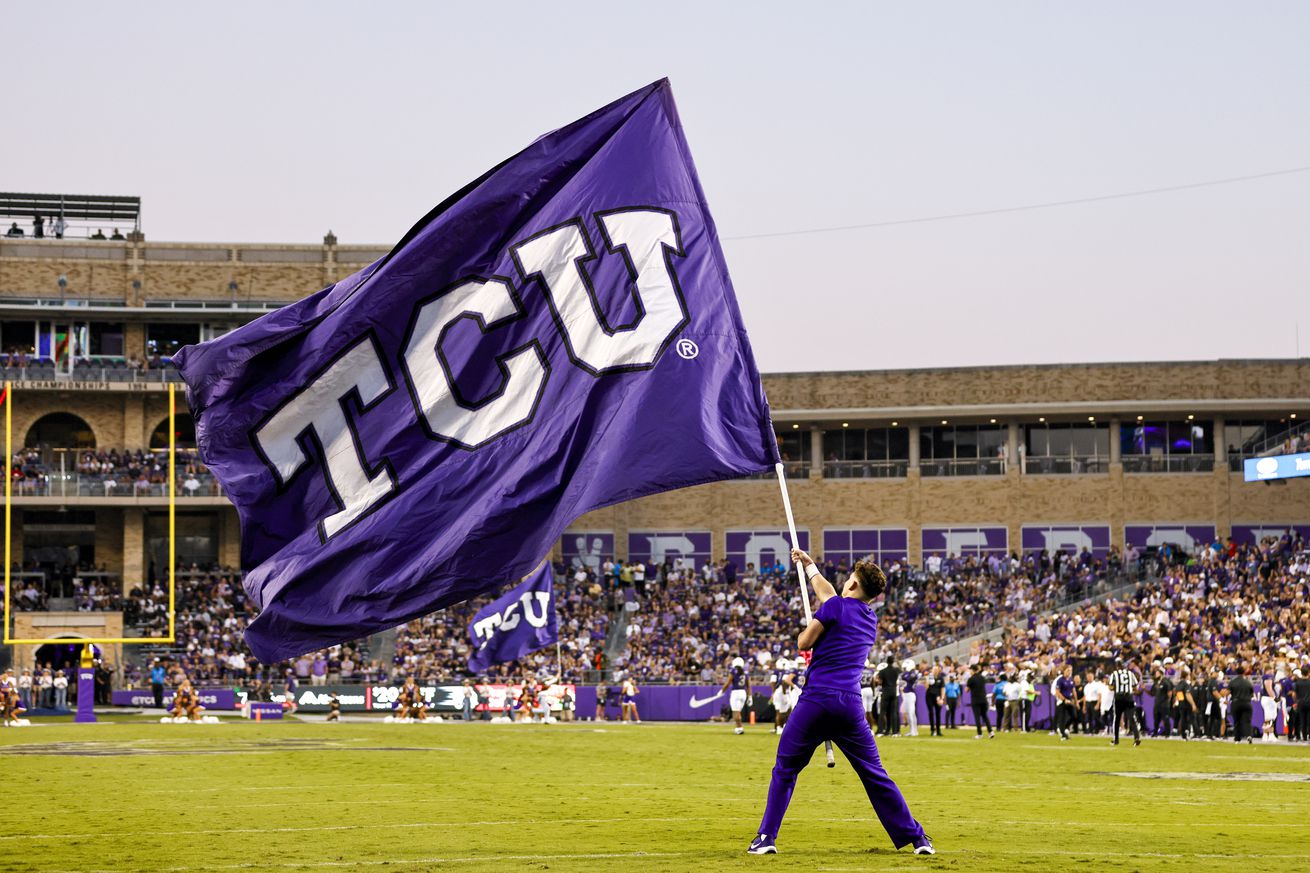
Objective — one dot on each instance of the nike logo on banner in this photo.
(694, 703)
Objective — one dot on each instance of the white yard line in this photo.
(401, 862)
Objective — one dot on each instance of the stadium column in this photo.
(134, 421)
(1116, 486)
(229, 538)
(134, 544)
(134, 341)
(816, 452)
(1223, 522)
(1012, 449)
(914, 520)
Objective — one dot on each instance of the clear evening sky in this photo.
(273, 122)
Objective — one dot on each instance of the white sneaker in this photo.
(739, 730)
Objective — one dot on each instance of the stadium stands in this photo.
(1206, 611)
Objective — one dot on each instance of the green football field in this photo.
(138, 795)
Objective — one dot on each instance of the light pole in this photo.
(232, 289)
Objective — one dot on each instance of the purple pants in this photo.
(827, 714)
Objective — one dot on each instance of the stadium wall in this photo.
(142, 282)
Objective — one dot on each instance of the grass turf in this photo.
(138, 795)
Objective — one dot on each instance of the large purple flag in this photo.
(559, 335)
(516, 623)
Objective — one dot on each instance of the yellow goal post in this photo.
(8, 401)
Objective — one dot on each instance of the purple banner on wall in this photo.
(960, 541)
(762, 547)
(850, 544)
(1069, 538)
(654, 547)
(588, 548)
(1248, 534)
(701, 702)
(210, 698)
(1188, 537)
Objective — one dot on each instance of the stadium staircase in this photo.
(382, 647)
(1274, 445)
(960, 648)
(616, 638)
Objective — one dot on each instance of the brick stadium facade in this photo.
(908, 450)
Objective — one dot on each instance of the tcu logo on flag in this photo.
(533, 613)
(518, 622)
(554, 260)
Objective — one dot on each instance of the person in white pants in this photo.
(739, 681)
(909, 696)
(781, 698)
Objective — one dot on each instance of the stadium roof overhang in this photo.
(87, 207)
(1073, 411)
(45, 309)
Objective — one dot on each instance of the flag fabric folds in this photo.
(518, 622)
(558, 336)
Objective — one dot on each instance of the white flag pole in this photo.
(800, 573)
(795, 543)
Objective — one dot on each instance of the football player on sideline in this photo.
(841, 634)
(783, 676)
(739, 680)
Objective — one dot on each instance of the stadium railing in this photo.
(107, 371)
(1291, 441)
(794, 470)
(1043, 465)
(1168, 463)
(866, 469)
(83, 485)
(962, 467)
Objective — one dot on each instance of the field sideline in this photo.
(137, 795)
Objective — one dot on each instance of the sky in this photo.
(275, 122)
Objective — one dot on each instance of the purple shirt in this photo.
(849, 630)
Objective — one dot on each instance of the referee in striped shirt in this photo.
(1123, 682)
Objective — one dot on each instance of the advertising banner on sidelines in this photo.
(702, 702)
(1187, 537)
(1068, 538)
(210, 698)
(850, 544)
(942, 542)
(587, 548)
(439, 698)
(1249, 534)
(655, 547)
(763, 547)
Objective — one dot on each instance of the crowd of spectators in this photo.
(1195, 613)
(112, 473)
(685, 623)
(86, 587)
(1205, 612)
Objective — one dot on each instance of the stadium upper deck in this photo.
(905, 463)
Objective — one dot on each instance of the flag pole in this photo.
(795, 543)
(800, 573)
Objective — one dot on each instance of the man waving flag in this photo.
(558, 336)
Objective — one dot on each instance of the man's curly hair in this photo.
(872, 580)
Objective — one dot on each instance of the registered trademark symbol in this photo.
(688, 349)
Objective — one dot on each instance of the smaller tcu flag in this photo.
(516, 623)
(559, 336)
